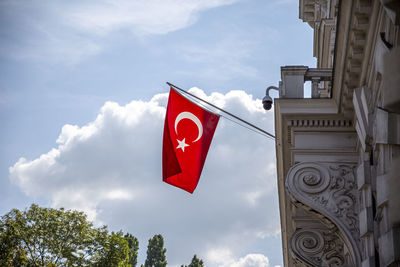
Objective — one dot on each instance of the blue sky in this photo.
(82, 96)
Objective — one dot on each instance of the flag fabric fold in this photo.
(188, 132)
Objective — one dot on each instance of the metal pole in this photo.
(220, 109)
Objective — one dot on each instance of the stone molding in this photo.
(317, 123)
(356, 61)
(312, 11)
(320, 123)
(331, 190)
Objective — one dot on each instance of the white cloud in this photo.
(142, 17)
(69, 32)
(220, 255)
(111, 169)
(223, 257)
(252, 260)
(88, 166)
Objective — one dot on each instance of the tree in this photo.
(196, 262)
(156, 252)
(54, 237)
(133, 244)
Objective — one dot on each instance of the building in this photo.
(338, 152)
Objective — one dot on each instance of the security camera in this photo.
(267, 102)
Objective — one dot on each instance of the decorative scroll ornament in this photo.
(318, 247)
(329, 189)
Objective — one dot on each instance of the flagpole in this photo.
(220, 109)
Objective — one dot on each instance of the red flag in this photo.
(188, 131)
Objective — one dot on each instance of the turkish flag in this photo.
(188, 131)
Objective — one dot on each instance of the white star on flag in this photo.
(182, 144)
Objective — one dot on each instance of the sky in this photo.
(82, 104)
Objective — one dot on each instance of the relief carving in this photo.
(319, 247)
(329, 189)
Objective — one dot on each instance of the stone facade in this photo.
(338, 152)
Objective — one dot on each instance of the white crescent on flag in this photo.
(192, 117)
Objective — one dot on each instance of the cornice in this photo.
(305, 106)
(355, 19)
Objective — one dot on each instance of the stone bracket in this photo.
(331, 190)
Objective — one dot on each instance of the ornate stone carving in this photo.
(329, 189)
(318, 247)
